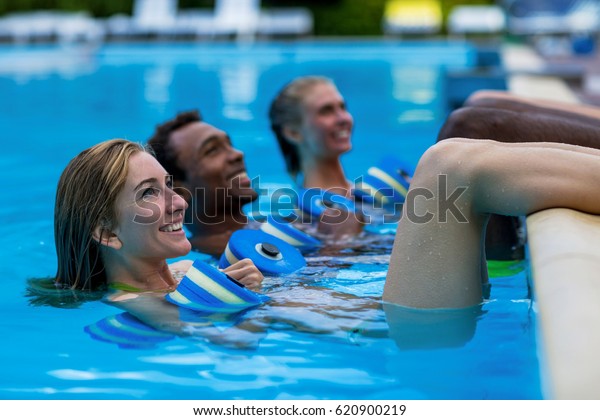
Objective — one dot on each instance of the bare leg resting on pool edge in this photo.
(440, 263)
(507, 117)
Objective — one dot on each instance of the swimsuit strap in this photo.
(124, 287)
(177, 274)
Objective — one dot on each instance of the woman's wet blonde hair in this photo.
(286, 110)
(85, 199)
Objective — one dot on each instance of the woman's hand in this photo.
(246, 273)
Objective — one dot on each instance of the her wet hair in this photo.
(286, 110)
(85, 198)
(159, 142)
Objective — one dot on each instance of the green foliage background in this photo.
(331, 17)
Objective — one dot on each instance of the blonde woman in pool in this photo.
(116, 222)
(313, 128)
(438, 258)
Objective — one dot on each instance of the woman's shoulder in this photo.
(181, 266)
(116, 296)
(120, 294)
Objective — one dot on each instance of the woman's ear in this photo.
(104, 236)
(292, 134)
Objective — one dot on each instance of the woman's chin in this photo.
(344, 148)
(181, 250)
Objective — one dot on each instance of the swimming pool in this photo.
(327, 336)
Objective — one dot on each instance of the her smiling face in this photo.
(326, 125)
(149, 213)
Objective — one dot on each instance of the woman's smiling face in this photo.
(326, 123)
(149, 213)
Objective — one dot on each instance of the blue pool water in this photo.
(324, 334)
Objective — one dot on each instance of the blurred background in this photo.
(563, 32)
(331, 17)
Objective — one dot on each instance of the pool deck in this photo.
(564, 248)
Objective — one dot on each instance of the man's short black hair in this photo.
(159, 142)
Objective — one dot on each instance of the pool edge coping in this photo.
(563, 246)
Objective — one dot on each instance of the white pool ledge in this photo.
(564, 246)
(565, 259)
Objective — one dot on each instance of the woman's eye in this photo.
(149, 192)
(326, 111)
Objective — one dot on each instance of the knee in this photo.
(479, 123)
(446, 157)
(476, 97)
(463, 122)
(486, 98)
(463, 160)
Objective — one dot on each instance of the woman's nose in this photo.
(178, 203)
(343, 115)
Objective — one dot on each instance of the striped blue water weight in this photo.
(206, 289)
(127, 331)
(313, 202)
(289, 233)
(271, 255)
(385, 184)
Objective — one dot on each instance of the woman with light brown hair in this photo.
(117, 220)
(313, 128)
